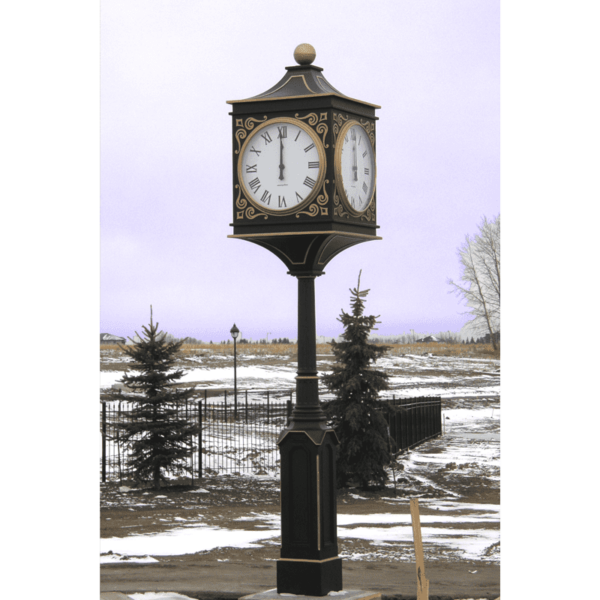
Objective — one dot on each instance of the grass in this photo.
(441, 349)
(437, 349)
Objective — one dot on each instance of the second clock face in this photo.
(282, 165)
(355, 167)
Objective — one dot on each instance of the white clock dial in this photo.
(282, 165)
(355, 166)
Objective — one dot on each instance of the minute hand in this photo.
(281, 165)
(354, 167)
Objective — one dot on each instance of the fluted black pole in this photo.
(309, 563)
(307, 413)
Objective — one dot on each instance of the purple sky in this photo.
(168, 69)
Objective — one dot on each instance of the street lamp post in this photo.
(234, 334)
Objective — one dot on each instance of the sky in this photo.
(167, 70)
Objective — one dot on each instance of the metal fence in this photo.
(238, 434)
(413, 421)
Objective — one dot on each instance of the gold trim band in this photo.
(306, 377)
(284, 84)
(306, 434)
(304, 96)
(343, 233)
(309, 560)
(318, 507)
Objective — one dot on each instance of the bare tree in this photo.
(480, 263)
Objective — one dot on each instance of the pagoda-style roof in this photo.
(301, 81)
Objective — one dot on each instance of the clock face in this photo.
(355, 167)
(282, 166)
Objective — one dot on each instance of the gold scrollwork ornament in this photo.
(370, 129)
(244, 210)
(252, 213)
(338, 122)
(241, 134)
(313, 211)
(338, 206)
(240, 201)
(321, 128)
(313, 119)
(322, 200)
(251, 121)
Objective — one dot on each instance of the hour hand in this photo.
(281, 165)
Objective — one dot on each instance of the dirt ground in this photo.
(244, 571)
(230, 573)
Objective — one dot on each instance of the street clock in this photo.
(304, 188)
(304, 168)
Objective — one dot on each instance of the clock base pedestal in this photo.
(345, 595)
(309, 578)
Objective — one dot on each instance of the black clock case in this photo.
(325, 110)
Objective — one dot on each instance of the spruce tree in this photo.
(355, 412)
(159, 438)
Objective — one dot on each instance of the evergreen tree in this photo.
(355, 412)
(158, 436)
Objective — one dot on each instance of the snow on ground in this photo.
(470, 446)
(232, 447)
(182, 540)
(410, 375)
(158, 596)
(112, 558)
(444, 536)
(434, 390)
(250, 377)
(176, 596)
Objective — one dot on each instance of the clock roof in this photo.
(303, 80)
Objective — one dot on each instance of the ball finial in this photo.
(304, 54)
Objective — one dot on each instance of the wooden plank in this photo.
(422, 581)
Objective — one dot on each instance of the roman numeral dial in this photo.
(281, 166)
(354, 167)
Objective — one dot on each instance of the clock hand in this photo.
(354, 167)
(281, 165)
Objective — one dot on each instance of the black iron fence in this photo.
(413, 421)
(238, 434)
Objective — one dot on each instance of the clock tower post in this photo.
(304, 175)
